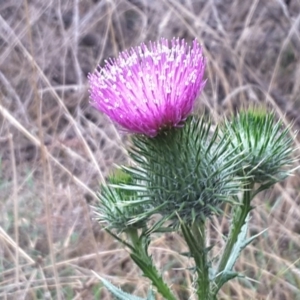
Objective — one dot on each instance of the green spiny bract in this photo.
(120, 208)
(187, 172)
(266, 148)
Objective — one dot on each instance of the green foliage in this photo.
(184, 175)
(240, 244)
(195, 239)
(117, 292)
(121, 295)
(138, 245)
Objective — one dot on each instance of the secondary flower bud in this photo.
(265, 146)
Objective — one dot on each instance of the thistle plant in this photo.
(182, 168)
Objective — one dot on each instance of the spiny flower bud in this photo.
(187, 172)
(120, 209)
(265, 146)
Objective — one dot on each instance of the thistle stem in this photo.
(142, 259)
(203, 284)
(238, 221)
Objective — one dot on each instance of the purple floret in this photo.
(150, 88)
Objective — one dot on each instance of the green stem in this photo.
(195, 237)
(141, 258)
(202, 269)
(238, 221)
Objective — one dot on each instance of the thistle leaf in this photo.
(240, 245)
(117, 292)
(228, 275)
(150, 295)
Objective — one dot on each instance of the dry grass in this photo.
(55, 149)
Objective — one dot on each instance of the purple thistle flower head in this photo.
(148, 89)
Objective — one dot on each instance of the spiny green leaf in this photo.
(151, 295)
(240, 244)
(117, 292)
(228, 275)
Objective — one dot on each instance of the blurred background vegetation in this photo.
(55, 149)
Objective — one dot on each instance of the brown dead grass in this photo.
(55, 149)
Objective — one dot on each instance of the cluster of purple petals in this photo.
(149, 88)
